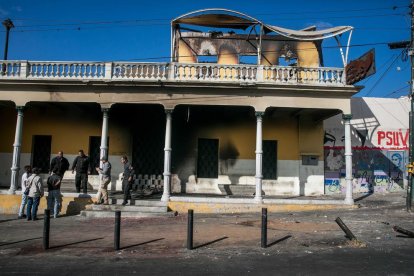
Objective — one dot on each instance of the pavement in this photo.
(299, 243)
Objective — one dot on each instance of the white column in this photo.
(104, 135)
(348, 159)
(16, 151)
(259, 152)
(167, 157)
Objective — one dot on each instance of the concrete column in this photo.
(348, 159)
(167, 157)
(16, 151)
(104, 136)
(259, 153)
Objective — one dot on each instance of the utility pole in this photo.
(8, 24)
(409, 45)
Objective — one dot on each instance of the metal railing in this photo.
(191, 72)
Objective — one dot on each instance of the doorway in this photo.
(41, 150)
(207, 158)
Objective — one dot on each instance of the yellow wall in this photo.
(311, 137)
(70, 129)
(71, 132)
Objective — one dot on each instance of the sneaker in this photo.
(125, 203)
(29, 218)
(24, 216)
(106, 203)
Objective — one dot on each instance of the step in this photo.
(127, 208)
(234, 189)
(111, 214)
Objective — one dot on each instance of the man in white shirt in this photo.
(25, 176)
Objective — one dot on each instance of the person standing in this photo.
(127, 179)
(61, 163)
(54, 198)
(35, 193)
(81, 164)
(25, 176)
(105, 172)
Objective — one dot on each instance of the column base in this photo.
(349, 201)
(258, 199)
(165, 198)
(11, 191)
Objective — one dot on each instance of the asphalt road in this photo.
(302, 243)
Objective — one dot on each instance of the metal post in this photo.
(345, 229)
(46, 229)
(264, 228)
(8, 24)
(190, 229)
(117, 236)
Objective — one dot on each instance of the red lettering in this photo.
(396, 139)
(389, 138)
(404, 139)
(381, 135)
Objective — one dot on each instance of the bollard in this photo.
(190, 229)
(46, 229)
(264, 228)
(117, 236)
(403, 231)
(345, 229)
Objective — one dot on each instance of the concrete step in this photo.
(111, 214)
(127, 208)
(134, 209)
(234, 189)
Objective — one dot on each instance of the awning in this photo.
(309, 35)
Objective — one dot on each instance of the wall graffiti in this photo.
(377, 167)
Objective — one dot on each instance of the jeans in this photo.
(126, 187)
(81, 180)
(32, 205)
(22, 205)
(54, 201)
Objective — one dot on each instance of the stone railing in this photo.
(171, 72)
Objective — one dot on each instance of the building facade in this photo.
(207, 122)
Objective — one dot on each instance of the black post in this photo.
(8, 24)
(264, 227)
(117, 236)
(46, 229)
(403, 231)
(190, 229)
(345, 229)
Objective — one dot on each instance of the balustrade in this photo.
(200, 72)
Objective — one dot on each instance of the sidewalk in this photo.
(216, 236)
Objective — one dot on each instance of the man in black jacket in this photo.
(82, 166)
(59, 162)
(127, 179)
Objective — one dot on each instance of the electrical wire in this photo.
(383, 75)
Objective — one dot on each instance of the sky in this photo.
(134, 30)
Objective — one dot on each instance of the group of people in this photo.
(32, 188)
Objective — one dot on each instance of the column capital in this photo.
(259, 113)
(347, 117)
(105, 109)
(169, 111)
(20, 108)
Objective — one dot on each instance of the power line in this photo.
(397, 90)
(383, 75)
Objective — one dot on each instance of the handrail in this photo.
(173, 72)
